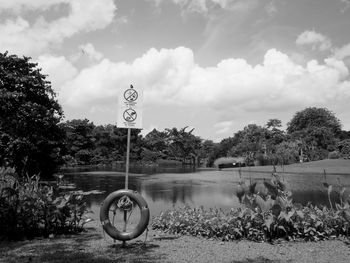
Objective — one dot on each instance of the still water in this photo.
(173, 188)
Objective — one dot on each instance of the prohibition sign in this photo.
(131, 95)
(130, 115)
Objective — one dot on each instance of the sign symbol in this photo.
(130, 115)
(131, 95)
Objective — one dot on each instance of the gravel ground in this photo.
(94, 247)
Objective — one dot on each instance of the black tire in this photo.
(111, 230)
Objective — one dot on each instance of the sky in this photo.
(212, 65)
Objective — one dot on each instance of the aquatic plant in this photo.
(265, 216)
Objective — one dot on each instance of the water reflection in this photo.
(208, 189)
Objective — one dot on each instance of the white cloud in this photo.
(204, 6)
(223, 127)
(321, 42)
(316, 40)
(18, 6)
(271, 8)
(162, 73)
(90, 51)
(21, 37)
(343, 52)
(58, 70)
(171, 77)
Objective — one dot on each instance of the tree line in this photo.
(312, 134)
(34, 138)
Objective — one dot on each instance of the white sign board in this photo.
(130, 109)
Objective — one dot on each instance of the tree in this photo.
(344, 148)
(79, 139)
(318, 130)
(251, 141)
(30, 138)
(274, 136)
(286, 153)
(208, 152)
(273, 123)
(88, 144)
(313, 117)
(156, 141)
(183, 145)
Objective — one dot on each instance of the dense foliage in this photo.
(265, 216)
(30, 139)
(317, 130)
(30, 209)
(87, 144)
(312, 134)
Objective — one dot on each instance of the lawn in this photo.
(331, 166)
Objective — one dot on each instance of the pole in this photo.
(127, 160)
(126, 178)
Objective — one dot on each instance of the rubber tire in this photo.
(114, 232)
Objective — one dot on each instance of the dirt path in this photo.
(93, 247)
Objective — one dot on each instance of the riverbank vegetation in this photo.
(30, 208)
(267, 214)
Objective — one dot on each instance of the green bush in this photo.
(228, 160)
(344, 148)
(334, 155)
(262, 160)
(168, 163)
(264, 217)
(29, 209)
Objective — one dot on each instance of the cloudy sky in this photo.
(215, 65)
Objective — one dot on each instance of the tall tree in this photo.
(80, 140)
(252, 140)
(317, 129)
(183, 145)
(313, 117)
(274, 135)
(274, 124)
(30, 139)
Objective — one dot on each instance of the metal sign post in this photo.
(127, 159)
(130, 117)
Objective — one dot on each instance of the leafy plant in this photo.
(29, 208)
(266, 215)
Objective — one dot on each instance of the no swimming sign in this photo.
(130, 108)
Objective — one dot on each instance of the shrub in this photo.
(334, 155)
(228, 160)
(29, 208)
(261, 160)
(168, 163)
(344, 148)
(264, 217)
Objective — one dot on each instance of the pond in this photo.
(174, 188)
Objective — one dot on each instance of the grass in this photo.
(89, 247)
(331, 166)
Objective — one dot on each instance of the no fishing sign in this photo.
(130, 108)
